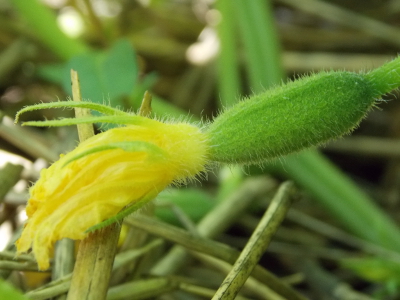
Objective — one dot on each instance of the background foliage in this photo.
(197, 57)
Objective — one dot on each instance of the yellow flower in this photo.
(120, 167)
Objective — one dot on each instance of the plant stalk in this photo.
(96, 253)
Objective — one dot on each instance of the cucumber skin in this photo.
(291, 117)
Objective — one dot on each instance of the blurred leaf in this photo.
(58, 73)
(229, 86)
(10, 293)
(120, 69)
(374, 269)
(43, 22)
(104, 75)
(143, 85)
(342, 198)
(193, 202)
(52, 72)
(262, 48)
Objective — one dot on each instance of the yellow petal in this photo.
(70, 198)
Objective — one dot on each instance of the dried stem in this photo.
(257, 244)
(96, 253)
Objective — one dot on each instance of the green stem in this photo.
(386, 78)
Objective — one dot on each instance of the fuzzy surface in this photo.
(286, 119)
(72, 196)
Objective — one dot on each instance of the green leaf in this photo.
(374, 269)
(105, 76)
(120, 70)
(52, 72)
(193, 202)
(9, 292)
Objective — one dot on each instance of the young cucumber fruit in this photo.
(296, 115)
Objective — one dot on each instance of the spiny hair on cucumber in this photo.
(288, 118)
